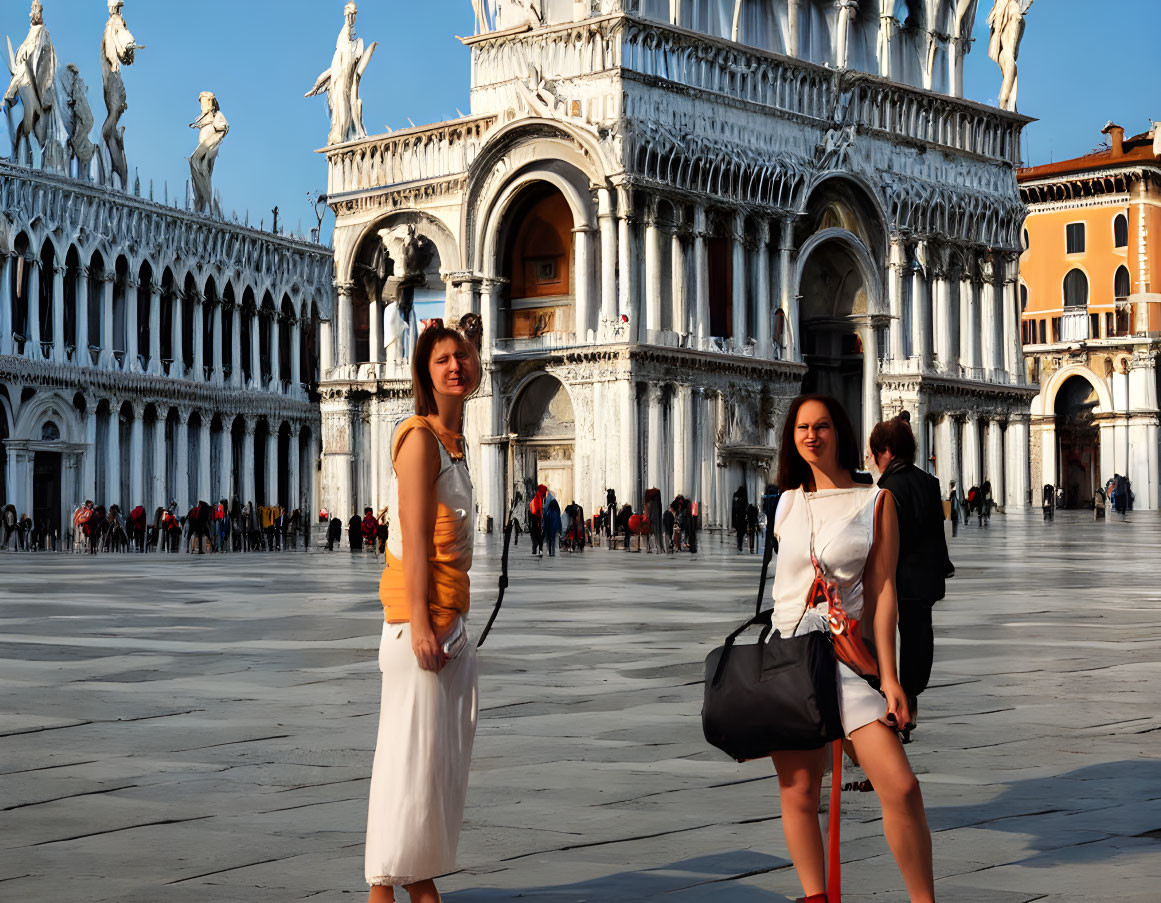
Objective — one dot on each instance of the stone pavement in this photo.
(201, 729)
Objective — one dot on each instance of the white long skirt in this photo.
(419, 781)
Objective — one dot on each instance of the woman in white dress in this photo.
(427, 722)
(854, 533)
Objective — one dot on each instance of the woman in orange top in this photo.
(427, 722)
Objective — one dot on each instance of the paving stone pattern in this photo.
(201, 729)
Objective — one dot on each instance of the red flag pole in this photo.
(834, 870)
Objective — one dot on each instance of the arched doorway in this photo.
(1078, 441)
(545, 429)
(538, 262)
(835, 304)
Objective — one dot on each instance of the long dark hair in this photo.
(793, 471)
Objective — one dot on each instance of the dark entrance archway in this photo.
(1078, 442)
(545, 427)
(834, 302)
(46, 490)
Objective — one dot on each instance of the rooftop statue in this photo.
(33, 69)
(341, 82)
(78, 117)
(117, 47)
(1006, 20)
(212, 129)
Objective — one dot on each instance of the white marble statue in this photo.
(117, 48)
(341, 82)
(78, 118)
(212, 129)
(1006, 21)
(33, 69)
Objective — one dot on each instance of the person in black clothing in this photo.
(355, 533)
(623, 523)
(334, 533)
(923, 560)
(610, 512)
(752, 525)
(738, 515)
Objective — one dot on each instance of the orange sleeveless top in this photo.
(450, 555)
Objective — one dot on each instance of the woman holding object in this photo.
(851, 530)
(428, 719)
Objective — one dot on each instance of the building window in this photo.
(1075, 289)
(1110, 325)
(1023, 297)
(1094, 326)
(50, 432)
(1027, 242)
(1074, 236)
(1024, 332)
(1043, 336)
(1056, 329)
(1121, 231)
(1121, 287)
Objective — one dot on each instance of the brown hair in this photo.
(422, 389)
(896, 437)
(793, 471)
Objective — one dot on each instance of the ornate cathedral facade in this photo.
(674, 217)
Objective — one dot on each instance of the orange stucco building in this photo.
(1091, 322)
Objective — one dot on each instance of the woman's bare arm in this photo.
(881, 606)
(416, 468)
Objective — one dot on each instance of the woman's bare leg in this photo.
(382, 894)
(423, 892)
(904, 819)
(799, 791)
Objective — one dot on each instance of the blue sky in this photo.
(261, 56)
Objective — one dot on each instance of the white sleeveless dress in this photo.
(843, 523)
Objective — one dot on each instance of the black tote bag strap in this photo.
(765, 618)
(771, 547)
(503, 585)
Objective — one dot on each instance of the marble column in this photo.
(177, 341)
(945, 353)
(113, 459)
(154, 329)
(973, 326)
(225, 475)
(701, 317)
(654, 457)
(970, 468)
(157, 490)
(326, 348)
(6, 261)
(994, 470)
(136, 460)
(198, 373)
(628, 298)
(654, 237)
(606, 216)
(738, 273)
(375, 347)
(921, 311)
(205, 454)
(132, 363)
(81, 358)
(256, 350)
(296, 355)
(582, 278)
(1013, 351)
(276, 351)
(344, 327)
(762, 277)
(1016, 475)
(963, 334)
(993, 350)
(630, 447)
(181, 461)
(89, 459)
(679, 289)
(944, 460)
(247, 461)
(682, 441)
(895, 277)
(492, 294)
(872, 412)
(32, 347)
(787, 299)
(294, 478)
(923, 449)
(216, 313)
(272, 466)
(236, 346)
(58, 307)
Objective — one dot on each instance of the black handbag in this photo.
(772, 696)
